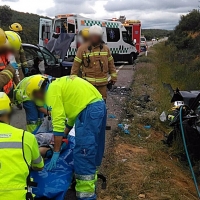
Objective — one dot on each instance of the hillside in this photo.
(30, 23)
(155, 33)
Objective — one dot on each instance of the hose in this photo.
(187, 154)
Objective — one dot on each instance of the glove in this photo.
(14, 65)
(54, 159)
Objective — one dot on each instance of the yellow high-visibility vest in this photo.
(13, 168)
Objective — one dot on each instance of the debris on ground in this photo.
(111, 116)
(124, 91)
(142, 196)
(147, 127)
(124, 128)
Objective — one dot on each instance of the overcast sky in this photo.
(153, 13)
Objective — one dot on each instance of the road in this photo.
(125, 76)
(150, 43)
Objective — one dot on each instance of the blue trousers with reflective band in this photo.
(89, 148)
(33, 116)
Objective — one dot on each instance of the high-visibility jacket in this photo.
(18, 150)
(96, 62)
(67, 97)
(20, 94)
(8, 86)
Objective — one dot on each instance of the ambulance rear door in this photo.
(45, 31)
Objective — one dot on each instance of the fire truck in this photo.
(134, 30)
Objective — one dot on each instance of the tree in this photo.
(187, 33)
(5, 15)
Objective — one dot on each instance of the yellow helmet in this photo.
(14, 39)
(3, 39)
(16, 27)
(5, 104)
(34, 84)
(85, 33)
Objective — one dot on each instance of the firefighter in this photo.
(7, 72)
(35, 111)
(20, 55)
(19, 151)
(74, 98)
(96, 61)
(15, 43)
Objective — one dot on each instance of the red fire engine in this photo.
(134, 30)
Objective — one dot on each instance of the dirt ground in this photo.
(138, 165)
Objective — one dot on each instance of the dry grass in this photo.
(139, 163)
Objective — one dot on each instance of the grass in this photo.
(139, 163)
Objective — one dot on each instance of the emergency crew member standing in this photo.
(15, 44)
(20, 55)
(74, 98)
(18, 152)
(96, 61)
(7, 72)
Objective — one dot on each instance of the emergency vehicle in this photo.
(134, 30)
(115, 34)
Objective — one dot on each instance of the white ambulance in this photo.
(115, 35)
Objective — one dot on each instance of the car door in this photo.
(52, 67)
(35, 55)
(33, 58)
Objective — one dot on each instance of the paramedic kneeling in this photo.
(18, 153)
(74, 98)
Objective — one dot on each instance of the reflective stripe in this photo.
(110, 58)
(114, 74)
(85, 194)
(8, 73)
(85, 177)
(99, 80)
(37, 161)
(10, 145)
(78, 59)
(32, 122)
(95, 54)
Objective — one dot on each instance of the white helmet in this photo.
(96, 30)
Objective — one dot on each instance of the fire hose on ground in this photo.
(187, 154)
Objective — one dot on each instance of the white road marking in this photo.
(116, 71)
(119, 68)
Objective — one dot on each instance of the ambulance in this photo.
(115, 35)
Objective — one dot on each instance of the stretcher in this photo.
(55, 184)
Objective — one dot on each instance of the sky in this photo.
(162, 14)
